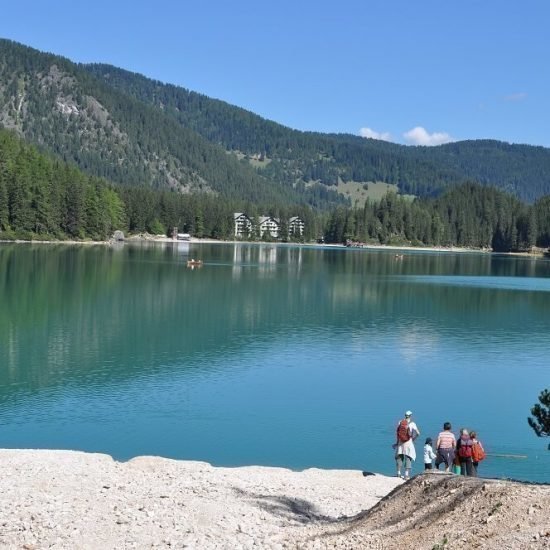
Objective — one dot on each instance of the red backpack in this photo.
(478, 452)
(465, 449)
(403, 433)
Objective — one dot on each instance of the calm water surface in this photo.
(269, 354)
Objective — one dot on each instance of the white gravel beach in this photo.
(76, 500)
(65, 499)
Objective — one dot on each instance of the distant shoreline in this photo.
(194, 240)
(22, 241)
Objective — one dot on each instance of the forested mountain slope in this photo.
(42, 197)
(523, 170)
(291, 156)
(55, 104)
(136, 131)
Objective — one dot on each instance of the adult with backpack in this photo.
(464, 451)
(478, 452)
(405, 453)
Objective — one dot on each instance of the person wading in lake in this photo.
(405, 453)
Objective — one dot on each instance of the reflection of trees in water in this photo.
(68, 310)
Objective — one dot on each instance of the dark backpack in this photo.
(465, 449)
(403, 433)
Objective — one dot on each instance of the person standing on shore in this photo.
(445, 445)
(478, 452)
(429, 454)
(464, 450)
(405, 453)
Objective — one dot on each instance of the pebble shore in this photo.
(66, 499)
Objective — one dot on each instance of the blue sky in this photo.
(420, 72)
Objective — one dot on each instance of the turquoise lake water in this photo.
(274, 355)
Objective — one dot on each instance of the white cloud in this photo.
(520, 96)
(419, 136)
(370, 133)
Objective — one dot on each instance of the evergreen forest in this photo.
(42, 197)
(88, 149)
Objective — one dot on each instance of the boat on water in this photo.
(194, 263)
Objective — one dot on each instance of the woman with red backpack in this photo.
(405, 453)
(464, 446)
(478, 452)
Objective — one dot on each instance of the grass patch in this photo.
(257, 160)
(359, 191)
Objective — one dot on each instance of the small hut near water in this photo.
(118, 235)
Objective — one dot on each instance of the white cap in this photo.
(408, 413)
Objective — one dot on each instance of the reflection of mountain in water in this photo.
(95, 315)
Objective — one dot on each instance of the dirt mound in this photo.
(440, 511)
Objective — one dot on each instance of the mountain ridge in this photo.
(54, 104)
(130, 129)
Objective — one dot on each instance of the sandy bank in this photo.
(63, 499)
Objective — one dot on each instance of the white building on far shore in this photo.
(269, 226)
(244, 226)
(296, 227)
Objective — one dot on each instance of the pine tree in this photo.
(540, 421)
(75, 209)
(4, 212)
(199, 224)
(19, 195)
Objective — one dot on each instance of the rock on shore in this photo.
(65, 499)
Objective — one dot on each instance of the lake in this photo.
(275, 355)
